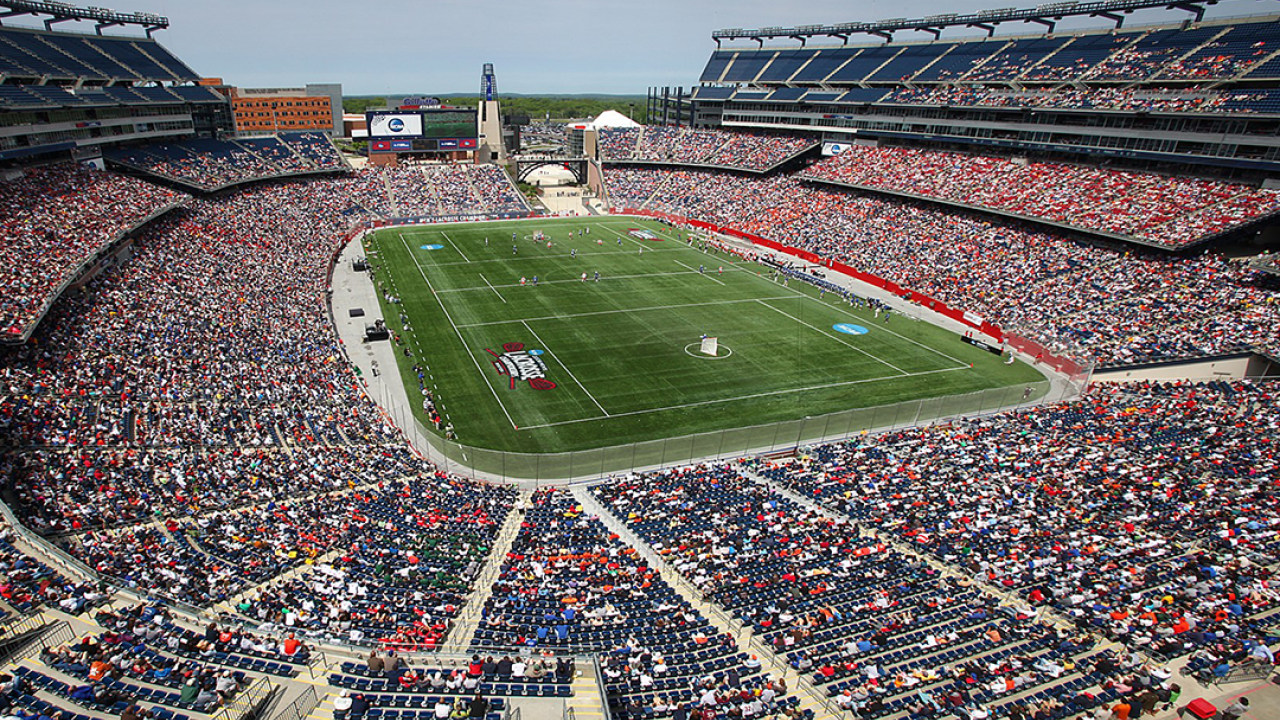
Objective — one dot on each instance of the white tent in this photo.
(612, 119)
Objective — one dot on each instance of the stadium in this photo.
(900, 369)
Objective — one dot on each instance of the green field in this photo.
(622, 352)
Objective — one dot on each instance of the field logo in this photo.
(432, 247)
(849, 329)
(643, 234)
(519, 364)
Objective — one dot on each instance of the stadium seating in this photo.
(859, 616)
(1120, 308)
(215, 164)
(44, 244)
(1167, 211)
(451, 191)
(97, 57)
(1149, 592)
(1218, 51)
(658, 144)
(567, 583)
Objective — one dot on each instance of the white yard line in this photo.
(582, 255)
(550, 352)
(455, 246)
(491, 287)
(544, 281)
(700, 272)
(743, 397)
(917, 343)
(626, 311)
(625, 237)
(458, 332)
(842, 341)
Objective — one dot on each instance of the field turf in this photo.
(608, 362)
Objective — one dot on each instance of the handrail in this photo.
(21, 624)
(317, 662)
(55, 633)
(301, 707)
(246, 703)
(604, 695)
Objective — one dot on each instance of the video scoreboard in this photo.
(422, 130)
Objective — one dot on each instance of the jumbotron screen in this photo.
(398, 125)
(422, 130)
(448, 123)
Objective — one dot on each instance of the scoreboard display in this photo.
(422, 130)
(394, 125)
(449, 123)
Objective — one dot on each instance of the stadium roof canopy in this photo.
(1046, 14)
(612, 119)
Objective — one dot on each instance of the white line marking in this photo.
(833, 337)
(461, 339)
(455, 247)
(700, 272)
(568, 316)
(624, 237)
(846, 312)
(743, 397)
(566, 367)
(543, 281)
(542, 258)
(491, 287)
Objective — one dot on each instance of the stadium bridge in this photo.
(575, 165)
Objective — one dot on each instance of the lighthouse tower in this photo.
(491, 145)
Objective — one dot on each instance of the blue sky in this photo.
(537, 46)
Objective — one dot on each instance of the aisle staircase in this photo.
(811, 698)
(468, 621)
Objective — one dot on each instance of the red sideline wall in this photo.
(1021, 344)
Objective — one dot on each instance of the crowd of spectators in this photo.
(408, 554)
(27, 584)
(1169, 211)
(213, 164)
(1094, 98)
(569, 583)
(1091, 302)
(198, 379)
(55, 219)
(880, 631)
(1139, 512)
(497, 194)
(435, 190)
(687, 146)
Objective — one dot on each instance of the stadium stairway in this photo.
(464, 629)
(391, 195)
(475, 192)
(811, 698)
